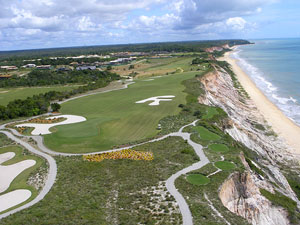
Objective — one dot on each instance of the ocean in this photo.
(274, 66)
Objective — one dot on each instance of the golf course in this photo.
(114, 118)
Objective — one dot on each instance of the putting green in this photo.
(210, 113)
(114, 118)
(197, 179)
(218, 147)
(206, 134)
(224, 165)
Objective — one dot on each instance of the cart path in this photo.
(170, 182)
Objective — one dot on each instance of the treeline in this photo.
(16, 61)
(187, 46)
(39, 104)
(48, 77)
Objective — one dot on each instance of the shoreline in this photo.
(281, 124)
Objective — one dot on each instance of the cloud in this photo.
(197, 12)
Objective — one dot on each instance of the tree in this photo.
(109, 67)
(55, 107)
(131, 67)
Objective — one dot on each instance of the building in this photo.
(29, 66)
(44, 67)
(86, 68)
(8, 67)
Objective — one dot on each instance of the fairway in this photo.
(218, 147)
(10, 94)
(197, 179)
(114, 118)
(206, 134)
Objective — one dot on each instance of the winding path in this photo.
(46, 153)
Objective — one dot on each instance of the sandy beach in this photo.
(281, 124)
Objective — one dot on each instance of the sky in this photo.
(30, 24)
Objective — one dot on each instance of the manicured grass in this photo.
(211, 112)
(218, 147)
(224, 165)
(20, 182)
(114, 118)
(205, 134)
(197, 179)
(106, 192)
(10, 94)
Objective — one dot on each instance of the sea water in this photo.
(274, 66)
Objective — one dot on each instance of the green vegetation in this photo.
(108, 192)
(254, 168)
(218, 147)
(21, 181)
(114, 118)
(10, 94)
(223, 165)
(211, 112)
(49, 77)
(197, 179)
(187, 46)
(205, 134)
(38, 104)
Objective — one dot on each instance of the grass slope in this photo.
(197, 179)
(10, 94)
(107, 192)
(114, 118)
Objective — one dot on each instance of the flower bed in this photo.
(46, 121)
(123, 154)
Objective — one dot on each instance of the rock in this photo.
(240, 195)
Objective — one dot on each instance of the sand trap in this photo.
(2, 92)
(156, 100)
(6, 156)
(10, 172)
(44, 128)
(13, 198)
(149, 80)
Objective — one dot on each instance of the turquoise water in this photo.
(274, 66)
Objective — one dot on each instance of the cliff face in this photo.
(241, 196)
(240, 193)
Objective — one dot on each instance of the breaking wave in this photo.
(287, 104)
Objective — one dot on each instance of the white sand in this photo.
(6, 156)
(44, 128)
(10, 172)
(156, 100)
(13, 198)
(280, 123)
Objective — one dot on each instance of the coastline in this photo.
(281, 124)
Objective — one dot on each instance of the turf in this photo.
(211, 112)
(205, 134)
(114, 118)
(197, 179)
(20, 182)
(10, 94)
(107, 192)
(224, 165)
(218, 147)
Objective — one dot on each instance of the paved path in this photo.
(170, 183)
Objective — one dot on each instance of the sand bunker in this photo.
(10, 172)
(6, 156)
(156, 100)
(41, 129)
(13, 198)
